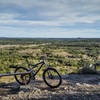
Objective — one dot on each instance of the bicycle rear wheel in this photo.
(22, 79)
(52, 77)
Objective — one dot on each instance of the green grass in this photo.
(98, 68)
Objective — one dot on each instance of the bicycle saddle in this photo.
(25, 56)
(42, 57)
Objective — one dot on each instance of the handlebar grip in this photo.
(25, 56)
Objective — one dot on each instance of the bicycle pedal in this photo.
(33, 78)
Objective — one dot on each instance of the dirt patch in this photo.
(17, 46)
(9, 46)
(60, 52)
(30, 51)
(74, 87)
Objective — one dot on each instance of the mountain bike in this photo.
(50, 75)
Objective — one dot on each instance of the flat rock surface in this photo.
(74, 87)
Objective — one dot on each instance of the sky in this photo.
(50, 18)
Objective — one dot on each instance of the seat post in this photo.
(26, 58)
(27, 61)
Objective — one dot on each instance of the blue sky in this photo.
(50, 18)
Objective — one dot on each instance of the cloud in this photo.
(49, 32)
(50, 14)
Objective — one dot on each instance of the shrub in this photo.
(86, 70)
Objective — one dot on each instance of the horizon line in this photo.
(54, 37)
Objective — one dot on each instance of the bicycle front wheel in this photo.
(22, 79)
(52, 77)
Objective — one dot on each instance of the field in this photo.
(67, 55)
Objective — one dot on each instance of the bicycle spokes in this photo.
(52, 77)
(24, 78)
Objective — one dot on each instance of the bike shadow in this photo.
(9, 88)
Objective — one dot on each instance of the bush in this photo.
(86, 70)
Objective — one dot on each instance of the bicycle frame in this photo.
(34, 66)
